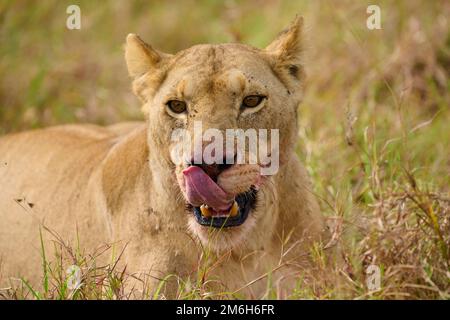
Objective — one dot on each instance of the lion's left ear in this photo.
(286, 50)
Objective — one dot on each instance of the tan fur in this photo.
(118, 184)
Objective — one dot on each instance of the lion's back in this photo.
(45, 180)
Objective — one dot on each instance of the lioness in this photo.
(120, 184)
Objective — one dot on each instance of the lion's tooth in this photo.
(206, 211)
(234, 210)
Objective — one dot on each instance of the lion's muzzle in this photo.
(221, 199)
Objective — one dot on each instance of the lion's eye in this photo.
(177, 106)
(252, 101)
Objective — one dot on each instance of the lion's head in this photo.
(214, 88)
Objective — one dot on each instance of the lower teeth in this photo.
(207, 212)
(234, 210)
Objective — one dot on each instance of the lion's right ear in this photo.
(146, 65)
(140, 56)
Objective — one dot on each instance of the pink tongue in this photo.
(201, 189)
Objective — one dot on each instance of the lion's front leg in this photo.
(159, 266)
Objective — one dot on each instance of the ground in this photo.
(373, 125)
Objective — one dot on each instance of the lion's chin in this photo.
(221, 239)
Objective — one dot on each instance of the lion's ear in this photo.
(286, 50)
(146, 65)
(141, 57)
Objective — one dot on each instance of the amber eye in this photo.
(252, 101)
(177, 106)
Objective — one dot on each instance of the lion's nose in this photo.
(212, 170)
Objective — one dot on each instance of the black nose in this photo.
(212, 170)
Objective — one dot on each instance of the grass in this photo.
(373, 126)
